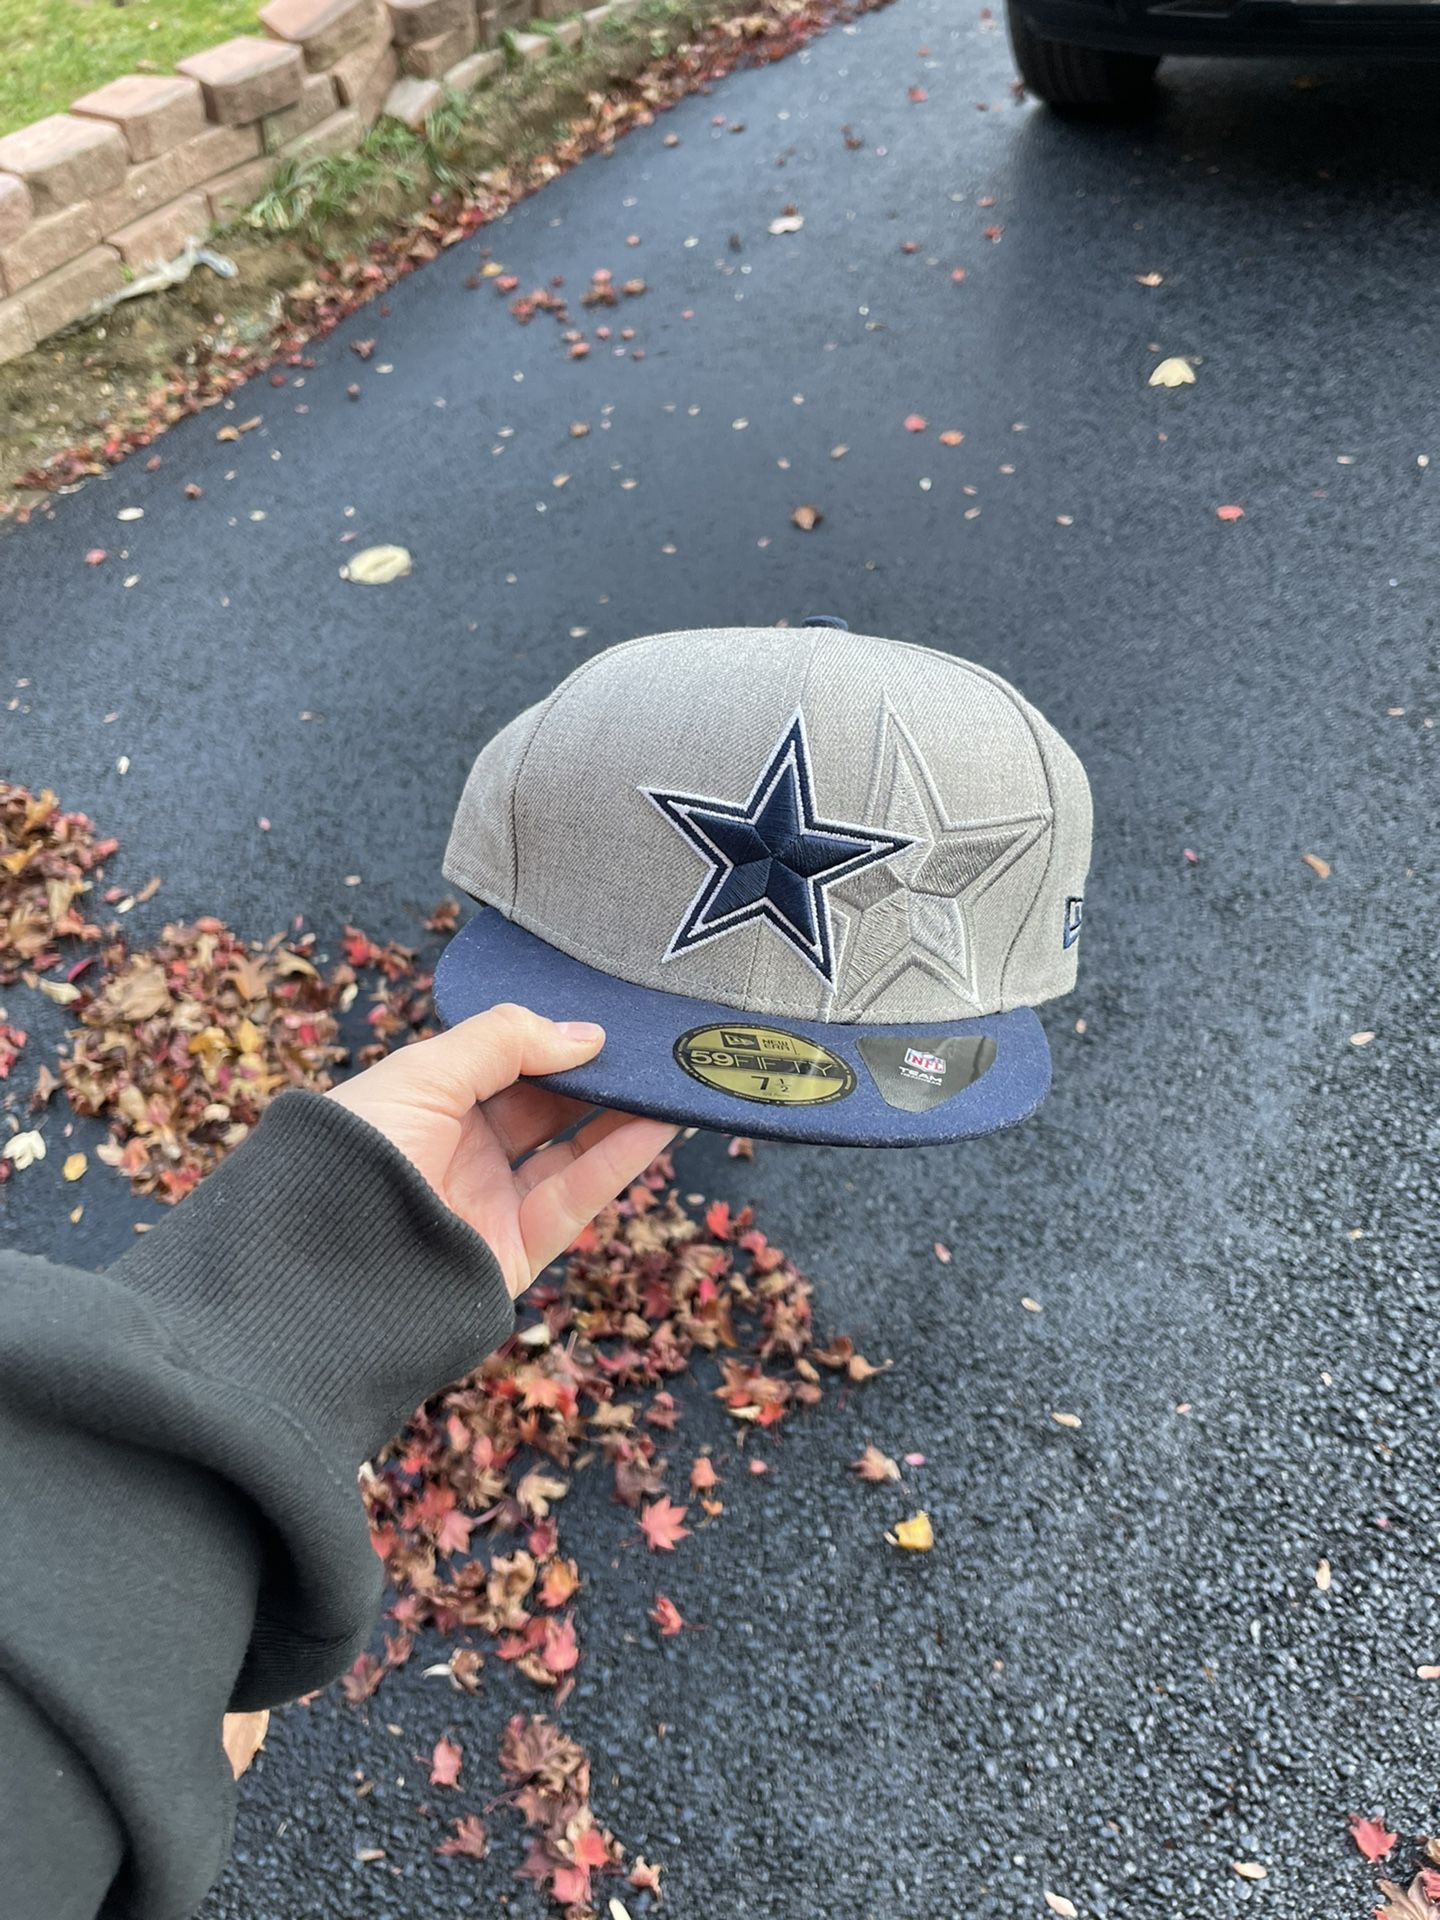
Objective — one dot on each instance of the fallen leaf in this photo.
(368, 1855)
(950, 438)
(75, 1165)
(942, 1253)
(1319, 867)
(1030, 1306)
(644, 1876)
(875, 1466)
(1361, 1039)
(787, 223)
(131, 513)
(703, 1475)
(1415, 1902)
(1371, 1836)
(1322, 1576)
(445, 1764)
(1230, 513)
(618, 1909)
(377, 566)
(24, 1149)
(666, 1616)
(915, 1535)
(917, 94)
(1149, 279)
(468, 1839)
(1249, 1869)
(1070, 1420)
(1174, 372)
(95, 556)
(661, 1524)
(1057, 1903)
(60, 991)
(807, 518)
(915, 423)
(1427, 1673)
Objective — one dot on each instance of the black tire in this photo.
(1086, 78)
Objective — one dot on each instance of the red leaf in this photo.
(453, 1533)
(95, 556)
(445, 1764)
(915, 423)
(590, 1848)
(993, 233)
(703, 1475)
(666, 1616)
(1229, 513)
(717, 1219)
(468, 1838)
(661, 1524)
(561, 1650)
(918, 94)
(1371, 1837)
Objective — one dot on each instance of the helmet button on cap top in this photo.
(825, 620)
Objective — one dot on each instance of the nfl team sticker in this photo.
(914, 1072)
(764, 1064)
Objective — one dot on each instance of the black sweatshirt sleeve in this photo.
(182, 1530)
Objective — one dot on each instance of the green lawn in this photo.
(52, 51)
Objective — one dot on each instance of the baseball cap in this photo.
(812, 883)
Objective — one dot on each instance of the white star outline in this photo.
(953, 970)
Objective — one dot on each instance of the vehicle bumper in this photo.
(1378, 28)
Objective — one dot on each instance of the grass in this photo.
(55, 50)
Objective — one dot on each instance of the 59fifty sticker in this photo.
(764, 1064)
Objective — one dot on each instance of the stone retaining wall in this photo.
(135, 170)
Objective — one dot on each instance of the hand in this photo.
(456, 1107)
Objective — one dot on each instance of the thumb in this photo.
(486, 1053)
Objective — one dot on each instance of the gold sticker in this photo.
(764, 1064)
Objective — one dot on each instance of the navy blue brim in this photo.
(491, 959)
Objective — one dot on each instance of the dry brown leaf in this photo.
(1249, 1869)
(1405, 1903)
(807, 518)
(1071, 1420)
(1317, 865)
(1323, 1576)
(787, 223)
(378, 566)
(74, 1167)
(1057, 1903)
(1174, 372)
(1149, 279)
(1362, 1039)
(875, 1466)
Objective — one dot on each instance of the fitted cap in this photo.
(812, 883)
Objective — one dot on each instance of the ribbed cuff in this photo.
(319, 1269)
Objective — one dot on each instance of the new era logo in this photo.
(924, 1062)
(1074, 914)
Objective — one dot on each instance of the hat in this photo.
(812, 883)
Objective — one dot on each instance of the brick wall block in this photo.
(154, 111)
(246, 78)
(65, 295)
(341, 133)
(241, 187)
(410, 99)
(17, 335)
(160, 235)
(16, 208)
(428, 59)
(322, 29)
(49, 243)
(352, 73)
(63, 159)
(412, 20)
(473, 72)
(533, 46)
(318, 100)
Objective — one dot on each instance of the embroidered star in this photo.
(911, 924)
(771, 858)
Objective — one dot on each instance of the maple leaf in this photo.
(562, 1578)
(703, 1475)
(717, 1219)
(1371, 1836)
(561, 1650)
(661, 1525)
(666, 1616)
(445, 1764)
(914, 1534)
(468, 1838)
(1408, 1903)
(915, 423)
(453, 1533)
(645, 1877)
(590, 1848)
(875, 1466)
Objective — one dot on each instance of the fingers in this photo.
(487, 1053)
(524, 1116)
(559, 1155)
(563, 1201)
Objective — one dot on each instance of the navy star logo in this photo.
(770, 857)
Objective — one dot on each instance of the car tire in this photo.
(1078, 78)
